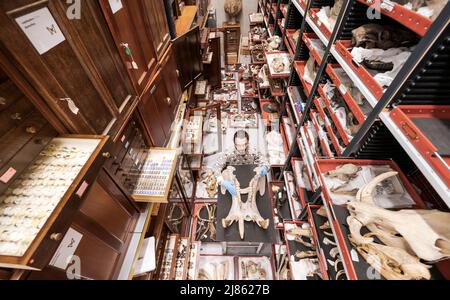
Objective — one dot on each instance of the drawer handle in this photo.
(16, 116)
(409, 132)
(169, 100)
(2, 101)
(31, 130)
(72, 106)
(106, 154)
(56, 236)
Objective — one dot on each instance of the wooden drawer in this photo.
(37, 248)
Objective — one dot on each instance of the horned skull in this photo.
(384, 37)
(408, 235)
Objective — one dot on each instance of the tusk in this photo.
(365, 193)
(337, 261)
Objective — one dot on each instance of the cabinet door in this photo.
(128, 27)
(157, 24)
(188, 56)
(106, 221)
(172, 82)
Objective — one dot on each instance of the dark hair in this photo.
(241, 134)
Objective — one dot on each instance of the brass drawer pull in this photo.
(409, 132)
(56, 236)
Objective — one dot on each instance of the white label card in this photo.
(66, 249)
(343, 89)
(354, 255)
(116, 5)
(41, 29)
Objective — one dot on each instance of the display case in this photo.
(38, 204)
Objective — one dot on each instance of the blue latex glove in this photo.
(230, 187)
(263, 172)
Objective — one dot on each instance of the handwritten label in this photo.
(354, 255)
(41, 29)
(6, 177)
(82, 189)
(123, 138)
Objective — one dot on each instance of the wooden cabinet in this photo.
(106, 221)
(160, 101)
(61, 202)
(232, 38)
(80, 76)
(128, 27)
(187, 49)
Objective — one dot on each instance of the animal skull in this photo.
(248, 211)
(345, 172)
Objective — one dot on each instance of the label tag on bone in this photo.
(354, 255)
(343, 89)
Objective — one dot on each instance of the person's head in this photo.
(241, 141)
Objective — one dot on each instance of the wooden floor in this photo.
(184, 22)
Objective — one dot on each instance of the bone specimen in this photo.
(322, 212)
(334, 252)
(407, 234)
(336, 263)
(304, 254)
(298, 231)
(248, 211)
(253, 270)
(325, 225)
(341, 191)
(327, 241)
(345, 172)
(330, 262)
(203, 275)
(393, 263)
(206, 225)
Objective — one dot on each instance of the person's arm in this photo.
(220, 165)
(262, 162)
(218, 168)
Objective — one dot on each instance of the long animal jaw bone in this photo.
(241, 212)
(415, 227)
(393, 263)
